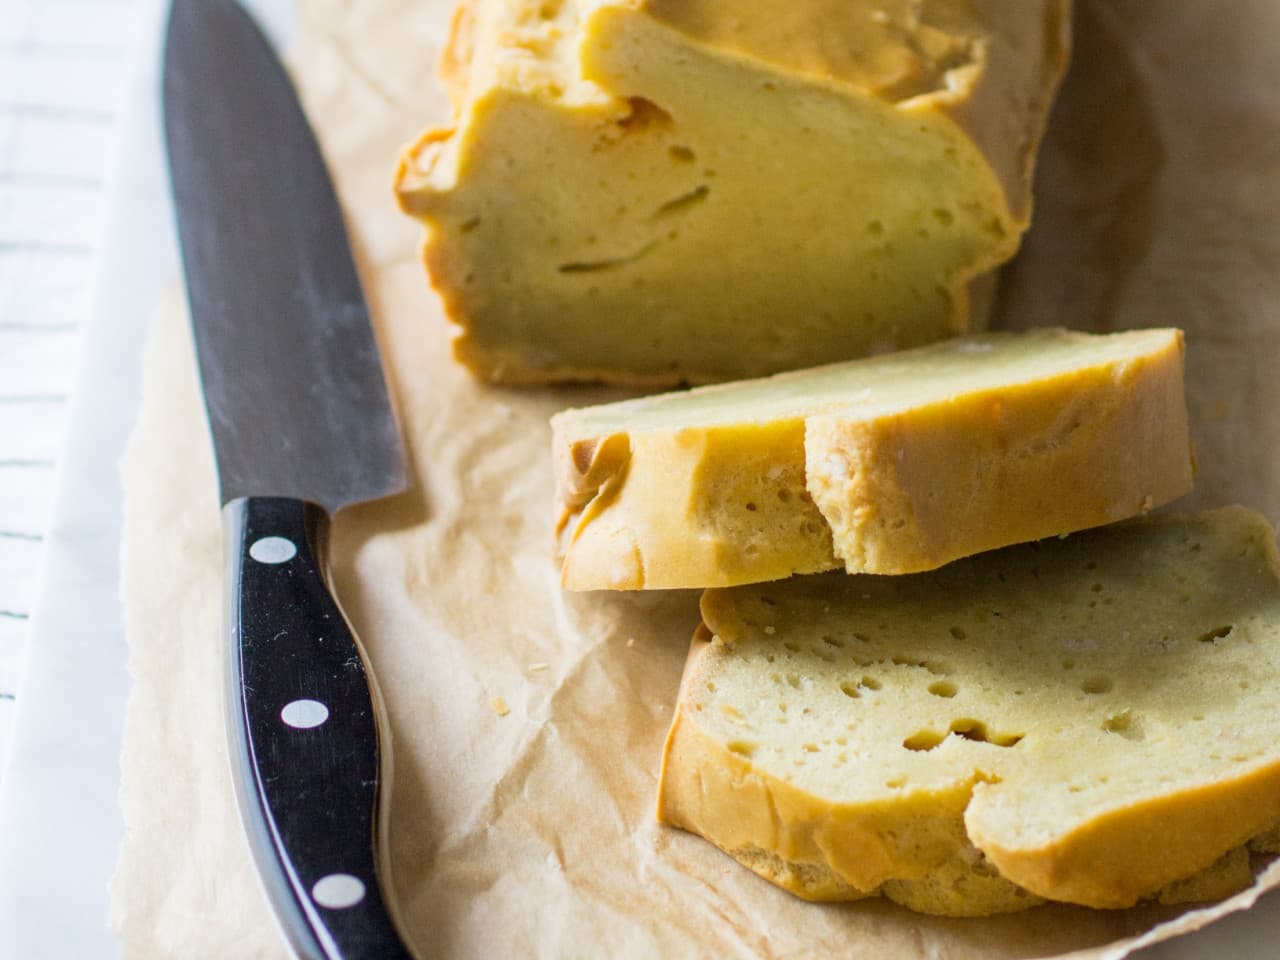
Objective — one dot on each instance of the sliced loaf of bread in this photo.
(893, 464)
(667, 191)
(1093, 720)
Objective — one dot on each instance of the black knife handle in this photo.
(305, 750)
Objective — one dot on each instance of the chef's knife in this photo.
(302, 426)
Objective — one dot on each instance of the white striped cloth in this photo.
(64, 66)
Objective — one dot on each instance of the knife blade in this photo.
(302, 426)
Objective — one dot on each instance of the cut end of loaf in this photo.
(597, 151)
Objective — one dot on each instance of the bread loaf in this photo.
(1090, 719)
(884, 465)
(666, 191)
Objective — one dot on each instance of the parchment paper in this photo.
(532, 834)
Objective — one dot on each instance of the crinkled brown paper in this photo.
(533, 834)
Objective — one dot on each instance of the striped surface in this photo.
(64, 65)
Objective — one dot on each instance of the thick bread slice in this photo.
(1087, 720)
(667, 191)
(887, 465)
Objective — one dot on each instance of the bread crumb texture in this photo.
(1093, 720)
(894, 464)
(667, 191)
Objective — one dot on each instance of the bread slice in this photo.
(890, 465)
(666, 191)
(1088, 719)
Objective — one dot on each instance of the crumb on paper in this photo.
(500, 707)
(535, 667)
(631, 641)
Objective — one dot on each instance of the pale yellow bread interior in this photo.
(667, 191)
(893, 464)
(1093, 719)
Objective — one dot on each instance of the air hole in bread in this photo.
(832, 641)
(978, 732)
(933, 666)
(682, 202)
(1125, 724)
(1097, 683)
(850, 690)
(958, 633)
(943, 688)
(644, 115)
(923, 740)
(1218, 633)
(742, 748)
(964, 727)
(871, 683)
